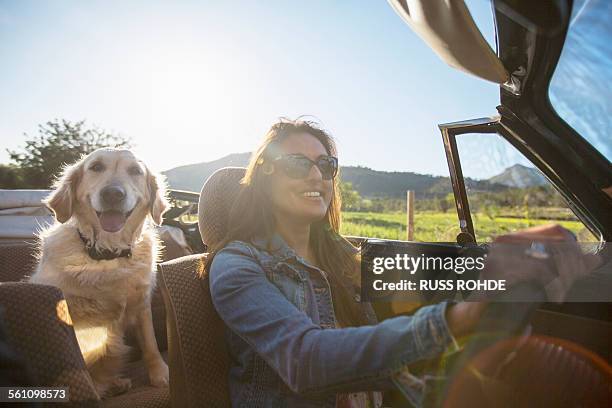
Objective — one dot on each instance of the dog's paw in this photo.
(159, 375)
(120, 385)
(115, 387)
(101, 389)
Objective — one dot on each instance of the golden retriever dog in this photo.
(102, 254)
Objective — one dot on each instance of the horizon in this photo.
(526, 165)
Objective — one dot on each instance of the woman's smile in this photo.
(310, 200)
(312, 195)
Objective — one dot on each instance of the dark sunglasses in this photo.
(298, 166)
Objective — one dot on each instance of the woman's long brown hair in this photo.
(252, 215)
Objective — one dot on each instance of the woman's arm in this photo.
(308, 358)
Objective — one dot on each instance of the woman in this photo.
(284, 282)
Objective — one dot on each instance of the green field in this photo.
(442, 227)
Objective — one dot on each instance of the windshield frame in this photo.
(495, 125)
(529, 122)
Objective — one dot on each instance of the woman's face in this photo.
(304, 199)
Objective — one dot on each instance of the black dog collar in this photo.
(104, 254)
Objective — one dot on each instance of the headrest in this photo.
(218, 194)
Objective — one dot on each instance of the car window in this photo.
(581, 86)
(507, 193)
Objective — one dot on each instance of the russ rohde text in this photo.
(441, 284)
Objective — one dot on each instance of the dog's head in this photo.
(108, 187)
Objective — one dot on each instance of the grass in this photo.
(443, 227)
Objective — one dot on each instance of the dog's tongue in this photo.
(112, 221)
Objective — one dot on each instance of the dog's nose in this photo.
(113, 195)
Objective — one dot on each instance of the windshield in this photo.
(582, 84)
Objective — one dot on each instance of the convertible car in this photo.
(524, 353)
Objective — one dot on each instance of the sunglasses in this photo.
(297, 166)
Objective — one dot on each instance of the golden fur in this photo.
(105, 297)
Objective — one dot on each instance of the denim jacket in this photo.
(285, 350)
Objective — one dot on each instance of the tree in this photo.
(59, 143)
(351, 200)
(447, 202)
(10, 177)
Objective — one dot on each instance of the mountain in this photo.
(519, 176)
(374, 183)
(368, 182)
(192, 176)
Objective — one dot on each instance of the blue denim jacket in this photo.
(284, 347)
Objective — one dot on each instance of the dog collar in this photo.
(104, 254)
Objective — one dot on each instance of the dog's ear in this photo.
(158, 201)
(63, 198)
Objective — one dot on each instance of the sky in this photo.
(193, 81)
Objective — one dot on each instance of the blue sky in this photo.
(194, 81)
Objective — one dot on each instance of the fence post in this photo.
(410, 215)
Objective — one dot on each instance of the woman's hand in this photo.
(462, 318)
(555, 261)
(548, 255)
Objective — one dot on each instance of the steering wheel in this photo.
(503, 318)
(501, 321)
(501, 367)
